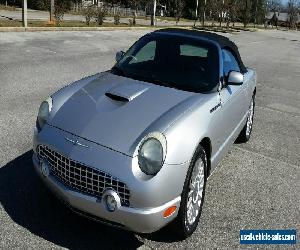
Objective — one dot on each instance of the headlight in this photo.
(152, 153)
(44, 112)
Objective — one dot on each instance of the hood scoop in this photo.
(116, 97)
(126, 92)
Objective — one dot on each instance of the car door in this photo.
(233, 99)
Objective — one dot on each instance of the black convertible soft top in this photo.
(224, 42)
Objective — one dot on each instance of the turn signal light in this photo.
(169, 211)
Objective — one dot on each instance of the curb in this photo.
(32, 29)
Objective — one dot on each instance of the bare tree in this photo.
(204, 4)
(274, 5)
(135, 5)
(100, 13)
(60, 8)
(246, 12)
(293, 11)
(179, 5)
(213, 7)
(259, 11)
(234, 9)
(227, 11)
(89, 12)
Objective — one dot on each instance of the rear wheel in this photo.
(245, 134)
(192, 196)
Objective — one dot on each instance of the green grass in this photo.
(223, 28)
(4, 7)
(37, 23)
(81, 13)
(164, 18)
(9, 23)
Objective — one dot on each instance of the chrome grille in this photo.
(81, 177)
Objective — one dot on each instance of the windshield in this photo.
(182, 63)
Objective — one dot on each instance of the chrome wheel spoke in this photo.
(195, 192)
(250, 118)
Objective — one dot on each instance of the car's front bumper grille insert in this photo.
(81, 177)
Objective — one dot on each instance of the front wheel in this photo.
(192, 196)
(245, 134)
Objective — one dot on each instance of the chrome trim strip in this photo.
(76, 142)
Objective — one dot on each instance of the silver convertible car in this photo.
(133, 147)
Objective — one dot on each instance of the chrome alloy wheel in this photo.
(250, 118)
(194, 198)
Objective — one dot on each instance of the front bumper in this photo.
(138, 220)
(140, 216)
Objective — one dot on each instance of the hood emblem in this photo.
(76, 142)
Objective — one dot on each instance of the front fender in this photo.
(184, 136)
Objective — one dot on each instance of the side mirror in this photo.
(119, 55)
(235, 78)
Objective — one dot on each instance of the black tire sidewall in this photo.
(187, 230)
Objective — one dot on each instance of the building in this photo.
(90, 2)
(282, 18)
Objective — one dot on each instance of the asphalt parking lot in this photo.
(257, 185)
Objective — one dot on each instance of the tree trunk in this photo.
(255, 19)
(52, 11)
(134, 18)
(204, 14)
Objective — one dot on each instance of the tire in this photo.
(186, 221)
(245, 134)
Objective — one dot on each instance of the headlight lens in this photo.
(44, 112)
(151, 155)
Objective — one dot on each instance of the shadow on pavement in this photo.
(32, 206)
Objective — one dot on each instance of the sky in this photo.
(284, 1)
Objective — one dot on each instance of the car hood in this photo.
(114, 111)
